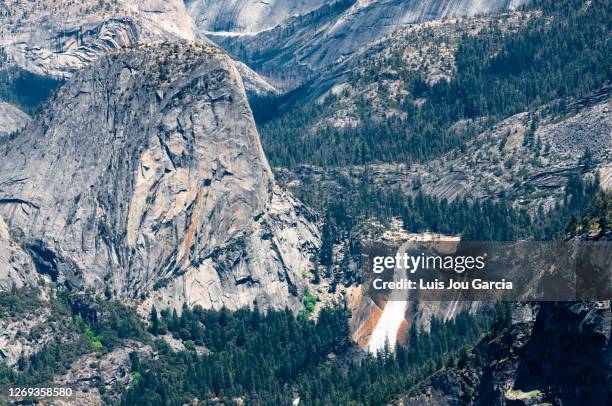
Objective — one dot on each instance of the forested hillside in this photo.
(274, 358)
(540, 60)
(248, 357)
(231, 357)
(562, 52)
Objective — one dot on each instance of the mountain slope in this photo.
(412, 97)
(246, 16)
(550, 353)
(291, 52)
(144, 176)
(525, 159)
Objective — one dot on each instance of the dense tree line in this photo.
(271, 358)
(252, 354)
(473, 220)
(377, 380)
(563, 53)
(498, 221)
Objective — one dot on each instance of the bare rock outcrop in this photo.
(11, 119)
(552, 353)
(16, 266)
(56, 38)
(109, 371)
(144, 178)
(246, 16)
(16, 335)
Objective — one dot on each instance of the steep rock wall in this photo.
(144, 177)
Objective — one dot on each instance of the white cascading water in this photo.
(393, 314)
(388, 326)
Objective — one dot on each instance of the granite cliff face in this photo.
(60, 37)
(143, 177)
(16, 266)
(552, 353)
(246, 16)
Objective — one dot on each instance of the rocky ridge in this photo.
(11, 119)
(59, 38)
(376, 75)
